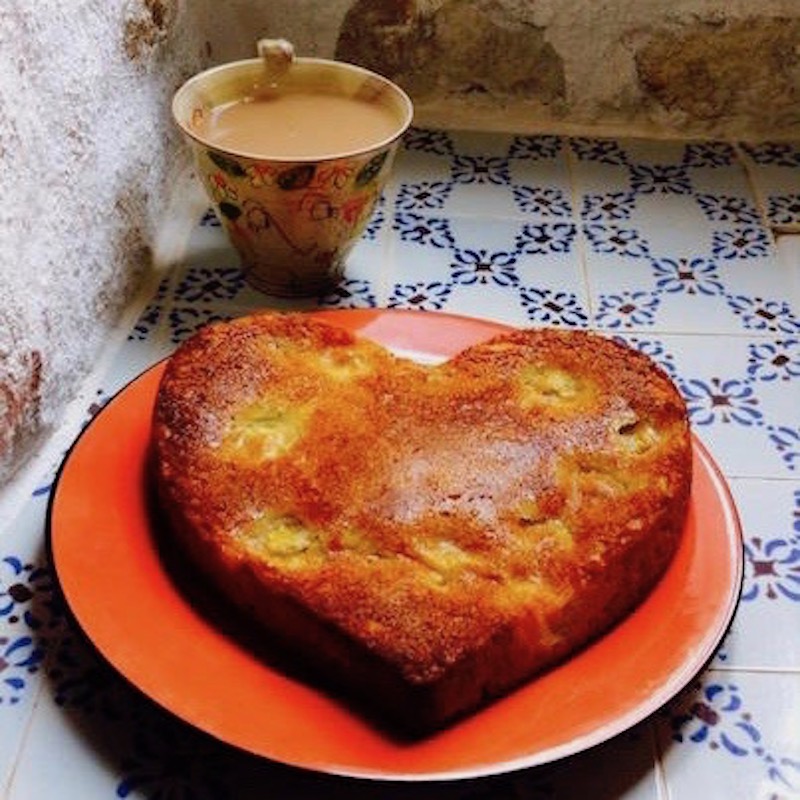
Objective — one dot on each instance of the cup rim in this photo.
(402, 126)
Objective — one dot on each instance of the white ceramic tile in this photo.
(682, 247)
(688, 234)
(32, 622)
(540, 177)
(486, 176)
(734, 736)
(770, 598)
(773, 168)
(95, 736)
(487, 302)
(621, 768)
(746, 419)
(788, 254)
(423, 158)
(420, 254)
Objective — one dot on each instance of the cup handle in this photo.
(277, 55)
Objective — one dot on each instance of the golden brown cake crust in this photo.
(432, 536)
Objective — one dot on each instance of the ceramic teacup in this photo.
(293, 217)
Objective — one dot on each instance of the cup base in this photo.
(292, 286)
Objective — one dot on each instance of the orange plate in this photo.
(108, 562)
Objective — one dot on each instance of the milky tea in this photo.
(298, 124)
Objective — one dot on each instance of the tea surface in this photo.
(299, 125)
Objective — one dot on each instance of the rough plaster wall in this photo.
(87, 145)
(83, 133)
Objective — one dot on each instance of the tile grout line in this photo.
(660, 773)
(387, 249)
(754, 670)
(8, 784)
(576, 195)
(749, 168)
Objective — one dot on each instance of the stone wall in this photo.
(684, 68)
(88, 151)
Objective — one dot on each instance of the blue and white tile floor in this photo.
(687, 251)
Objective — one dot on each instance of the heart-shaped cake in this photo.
(428, 537)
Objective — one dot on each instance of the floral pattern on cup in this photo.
(305, 217)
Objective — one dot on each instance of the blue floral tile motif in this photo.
(787, 443)
(693, 276)
(744, 242)
(151, 316)
(146, 323)
(209, 219)
(423, 196)
(716, 702)
(773, 569)
(796, 522)
(428, 231)
(481, 169)
(428, 141)
(186, 320)
(715, 716)
(781, 154)
(727, 208)
(607, 207)
(660, 179)
(604, 151)
(29, 616)
(774, 361)
(20, 657)
(27, 595)
(542, 201)
(654, 349)
(709, 154)
(726, 400)
(627, 242)
(548, 307)
(764, 315)
(751, 396)
(627, 310)
(540, 238)
(208, 284)
(535, 148)
(784, 209)
(351, 293)
(424, 296)
(483, 267)
(376, 223)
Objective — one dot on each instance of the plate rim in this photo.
(678, 680)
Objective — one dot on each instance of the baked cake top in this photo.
(422, 509)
